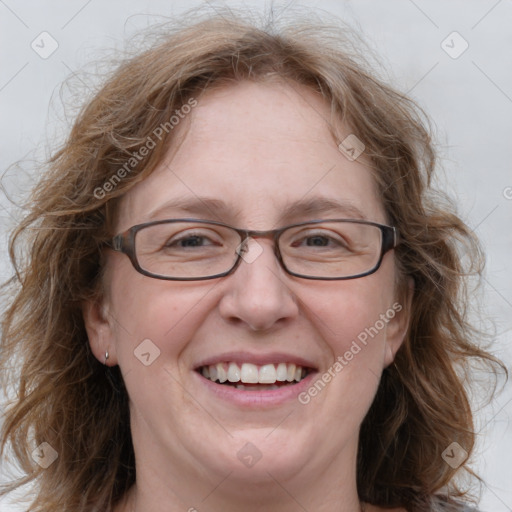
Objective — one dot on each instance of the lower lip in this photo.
(263, 398)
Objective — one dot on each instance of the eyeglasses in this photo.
(194, 249)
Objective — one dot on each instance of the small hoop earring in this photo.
(106, 358)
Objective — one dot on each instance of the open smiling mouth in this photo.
(252, 377)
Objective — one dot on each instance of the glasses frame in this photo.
(125, 243)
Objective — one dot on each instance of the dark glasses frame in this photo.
(125, 243)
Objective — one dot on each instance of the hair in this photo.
(64, 396)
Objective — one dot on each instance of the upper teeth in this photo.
(249, 373)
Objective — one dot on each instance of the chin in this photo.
(261, 456)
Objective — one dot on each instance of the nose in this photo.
(258, 293)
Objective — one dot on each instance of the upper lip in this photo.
(257, 359)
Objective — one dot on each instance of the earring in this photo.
(106, 358)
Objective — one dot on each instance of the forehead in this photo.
(255, 150)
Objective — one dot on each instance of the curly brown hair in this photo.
(65, 397)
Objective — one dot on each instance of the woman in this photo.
(239, 292)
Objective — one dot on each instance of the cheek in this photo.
(352, 316)
(349, 315)
(165, 313)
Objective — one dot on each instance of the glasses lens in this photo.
(186, 249)
(331, 249)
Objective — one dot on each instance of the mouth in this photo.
(253, 377)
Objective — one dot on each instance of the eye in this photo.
(321, 239)
(193, 238)
(318, 241)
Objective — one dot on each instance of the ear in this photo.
(99, 331)
(398, 325)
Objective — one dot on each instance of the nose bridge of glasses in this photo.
(251, 251)
(250, 248)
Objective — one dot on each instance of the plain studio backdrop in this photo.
(452, 57)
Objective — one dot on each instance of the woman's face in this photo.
(257, 150)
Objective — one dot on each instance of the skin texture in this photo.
(258, 147)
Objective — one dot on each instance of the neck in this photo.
(137, 501)
(284, 479)
(334, 490)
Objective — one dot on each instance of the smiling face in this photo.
(256, 150)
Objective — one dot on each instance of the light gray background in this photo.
(468, 97)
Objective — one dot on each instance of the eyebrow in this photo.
(220, 210)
